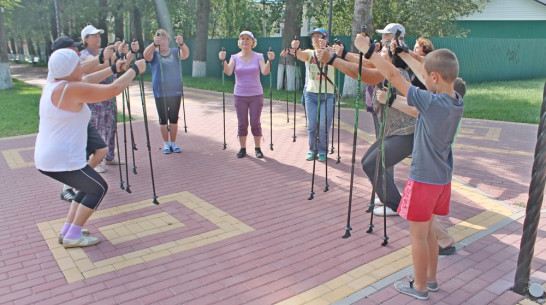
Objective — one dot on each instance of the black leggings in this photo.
(173, 107)
(90, 185)
(397, 148)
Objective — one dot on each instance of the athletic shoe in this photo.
(241, 153)
(321, 157)
(377, 202)
(310, 156)
(167, 149)
(114, 162)
(259, 153)
(99, 169)
(380, 212)
(61, 236)
(407, 288)
(431, 286)
(68, 195)
(84, 241)
(175, 149)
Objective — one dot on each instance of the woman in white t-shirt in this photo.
(62, 137)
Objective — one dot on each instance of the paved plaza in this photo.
(242, 231)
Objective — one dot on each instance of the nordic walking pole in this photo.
(133, 144)
(355, 132)
(317, 132)
(123, 101)
(182, 86)
(121, 186)
(326, 127)
(295, 92)
(224, 101)
(271, 106)
(285, 82)
(145, 114)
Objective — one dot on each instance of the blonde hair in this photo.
(162, 32)
(426, 44)
(444, 62)
(253, 45)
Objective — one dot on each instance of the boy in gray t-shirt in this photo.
(428, 190)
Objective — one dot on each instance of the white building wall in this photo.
(511, 10)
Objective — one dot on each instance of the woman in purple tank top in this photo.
(248, 93)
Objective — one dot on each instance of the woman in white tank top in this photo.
(62, 136)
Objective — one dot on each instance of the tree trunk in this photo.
(30, 45)
(118, 22)
(5, 75)
(103, 5)
(362, 16)
(292, 25)
(136, 26)
(199, 67)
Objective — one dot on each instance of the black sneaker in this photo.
(241, 153)
(259, 153)
(68, 195)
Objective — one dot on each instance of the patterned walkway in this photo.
(242, 231)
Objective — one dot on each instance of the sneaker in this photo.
(84, 241)
(68, 195)
(431, 286)
(321, 157)
(380, 212)
(114, 162)
(167, 149)
(61, 236)
(259, 153)
(175, 148)
(241, 153)
(310, 156)
(378, 202)
(407, 288)
(99, 169)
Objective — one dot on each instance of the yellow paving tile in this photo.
(14, 159)
(77, 266)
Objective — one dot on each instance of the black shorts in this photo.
(94, 140)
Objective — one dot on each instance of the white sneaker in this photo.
(377, 202)
(389, 211)
(84, 241)
(99, 169)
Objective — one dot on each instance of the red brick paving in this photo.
(297, 242)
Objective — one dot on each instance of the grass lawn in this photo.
(514, 101)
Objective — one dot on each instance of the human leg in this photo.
(173, 108)
(311, 103)
(419, 233)
(160, 105)
(432, 241)
(241, 108)
(255, 113)
(444, 239)
(396, 149)
(327, 104)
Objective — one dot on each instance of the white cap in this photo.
(391, 28)
(90, 30)
(247, 33)
(62, 63)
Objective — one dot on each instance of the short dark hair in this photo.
(460, 86)
(444, 62)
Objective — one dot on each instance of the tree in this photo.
(292, 25)
(362, 16)
(201, 37)
(5, 75)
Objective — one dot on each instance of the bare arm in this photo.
(227, 67)
(400, 103)
(265, 67)
(388, 70)
(369, 76)
(414, 65)
(97, 77)
(148, 53)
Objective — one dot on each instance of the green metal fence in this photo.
(480, 59)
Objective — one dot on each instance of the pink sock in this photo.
(65, 228)
(75, 232)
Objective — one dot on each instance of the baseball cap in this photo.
(391, 28)
(321, 31)
(247, 33)
(64, 42)
(62, 63)
(90, 30)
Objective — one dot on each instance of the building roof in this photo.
(510, 10)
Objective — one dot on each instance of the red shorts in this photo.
(421, 200)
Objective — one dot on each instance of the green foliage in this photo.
(434, 18)
(342, 15)
(19, 113)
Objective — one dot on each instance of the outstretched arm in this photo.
(388, 70)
